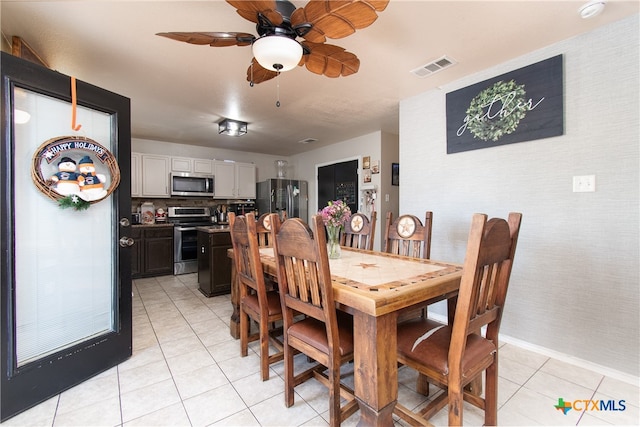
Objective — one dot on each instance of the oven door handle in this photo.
(185, 228)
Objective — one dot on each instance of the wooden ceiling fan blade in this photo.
(259, 74)
(331, 61)
(337, 19)
(249, 10)
(215, 39)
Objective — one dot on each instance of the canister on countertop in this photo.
(148, 213)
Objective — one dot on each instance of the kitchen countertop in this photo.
(214, 228)
(157, 224)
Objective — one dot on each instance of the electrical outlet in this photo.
(584, 183)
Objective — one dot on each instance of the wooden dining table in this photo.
(376, 287)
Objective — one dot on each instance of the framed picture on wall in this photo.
(395, 174)
(367, 175)
(375, 166)
(366, 161)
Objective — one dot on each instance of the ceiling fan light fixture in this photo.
(232, 127)
(277, 53)
(591, 9)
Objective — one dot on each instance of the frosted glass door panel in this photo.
(65, 260)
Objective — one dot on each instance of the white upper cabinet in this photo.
(136, 175)
(155, 175)
(150, 175)
(246, 180)
(224, 176)
(181, 164)
(189, 165)
(203, 166)
(234, 180)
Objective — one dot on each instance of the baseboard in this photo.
(563, 357)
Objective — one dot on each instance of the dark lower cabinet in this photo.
(152, 252)
(214, 266)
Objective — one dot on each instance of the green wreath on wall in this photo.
(493, 128)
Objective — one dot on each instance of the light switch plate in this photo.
(584, 184)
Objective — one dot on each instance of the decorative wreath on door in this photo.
(75, 171)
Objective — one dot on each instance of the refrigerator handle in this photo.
(290, 202)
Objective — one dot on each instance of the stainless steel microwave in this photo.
(191, 184)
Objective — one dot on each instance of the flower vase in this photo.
(333, 242)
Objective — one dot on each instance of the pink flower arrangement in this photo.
(335, 214)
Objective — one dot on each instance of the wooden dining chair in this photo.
(359, 232)
(454, 355)
(408, 236)
(306, 288)
(256, 303)
(263, 227)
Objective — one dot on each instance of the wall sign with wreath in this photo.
(74, 171)
(522, 105)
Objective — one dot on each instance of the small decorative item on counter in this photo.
(161, 215)
(148, 213)
(334, 216)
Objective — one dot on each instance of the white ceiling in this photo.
(179, 91)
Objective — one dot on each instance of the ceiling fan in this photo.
(279, 23)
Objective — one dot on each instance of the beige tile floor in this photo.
(186, 371)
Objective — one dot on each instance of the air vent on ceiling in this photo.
(307, 140)
(434, 66)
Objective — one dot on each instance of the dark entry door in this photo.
(66, 273)
(339, 181)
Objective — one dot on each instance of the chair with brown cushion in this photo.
(256, 303)
(305, 286)
(454, 355)
(408, 236)
(359, 232)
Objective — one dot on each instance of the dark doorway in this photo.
(66, 273)
(339, 181)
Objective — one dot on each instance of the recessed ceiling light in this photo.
(591, 9)
(307, 140)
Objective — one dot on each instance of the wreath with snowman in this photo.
(75, 171)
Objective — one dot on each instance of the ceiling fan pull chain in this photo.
(251, 81)
(278, 67)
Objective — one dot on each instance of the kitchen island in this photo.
(214, 266)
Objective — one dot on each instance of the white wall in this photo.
(366, 145)
(265, 164)
(575, 282)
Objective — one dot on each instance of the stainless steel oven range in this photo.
(185, 236)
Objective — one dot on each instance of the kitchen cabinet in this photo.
(203, 166)
(180, 164)
(136, 175)
(246, 180)
(190, 165)
(152, 251)
(214, 266)
(234, 180)
(155, 176)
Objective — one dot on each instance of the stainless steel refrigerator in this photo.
(283, 195)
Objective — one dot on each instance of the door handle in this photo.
(124, 222)
(126, 242)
